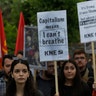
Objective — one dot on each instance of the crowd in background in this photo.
(75, 77)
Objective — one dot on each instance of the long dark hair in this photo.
(76, 81)
(29, 89)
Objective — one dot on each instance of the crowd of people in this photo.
(75, 77)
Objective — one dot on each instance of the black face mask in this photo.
(49, 75)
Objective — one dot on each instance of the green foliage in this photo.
(5, 6)
(15, 11)
(31, 7)
(10, 36)
(11, 11)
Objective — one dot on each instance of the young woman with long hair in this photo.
(70, 83)
(21, 82)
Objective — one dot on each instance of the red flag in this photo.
(94, 93)
(20, 35)
(3, 45)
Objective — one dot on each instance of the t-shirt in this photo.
(44, 86)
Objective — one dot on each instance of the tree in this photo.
(31, 7)
(11, 10)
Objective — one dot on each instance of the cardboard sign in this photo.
(31, 51)
(52, 35)
(87, 20)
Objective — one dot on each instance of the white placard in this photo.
(87, 20)
(52, 35)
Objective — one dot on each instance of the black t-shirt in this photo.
(71, 91)
(45, 86)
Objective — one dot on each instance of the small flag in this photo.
(20, 35)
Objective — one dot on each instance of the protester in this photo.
(21, 82)
(70, 83)
(4, 75)
(20, 54)
(86, 71)
(45, 80)
(60, 64)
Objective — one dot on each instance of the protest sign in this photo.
(88, 47)
(31, 51)
(52, 35)
(87, 20)
(87, 25)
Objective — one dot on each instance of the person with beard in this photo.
(4, 74)
(86, 71)
(45, 80)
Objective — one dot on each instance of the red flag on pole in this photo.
(20, 35)
(3, 45)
